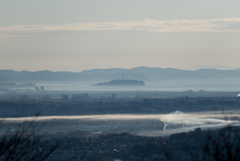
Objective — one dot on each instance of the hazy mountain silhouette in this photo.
(238, 69)
(167, 73)
(138, 73)
(219, 74)
(3, 81)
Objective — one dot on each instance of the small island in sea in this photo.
(122, 82)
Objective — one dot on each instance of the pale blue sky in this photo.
(74, 35)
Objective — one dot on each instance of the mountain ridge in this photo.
(137, 73)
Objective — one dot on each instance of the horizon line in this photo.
(208, 68)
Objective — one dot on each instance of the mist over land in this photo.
(166, 90)
(170, 106)
(155, 124)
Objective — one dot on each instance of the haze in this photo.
(75, 35)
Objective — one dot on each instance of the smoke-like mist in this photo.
(203, 120)
(169, 119)
(177, 121)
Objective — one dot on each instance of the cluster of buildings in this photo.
(127, 147)
(90, 103)
(39, 88)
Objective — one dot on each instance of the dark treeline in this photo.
(211, 145)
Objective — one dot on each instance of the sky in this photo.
(76, 35)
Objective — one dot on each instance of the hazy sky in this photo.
(74, 35)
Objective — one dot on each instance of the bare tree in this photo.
(24, 144)
(223, 147)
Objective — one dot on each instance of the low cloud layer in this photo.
(212, 25)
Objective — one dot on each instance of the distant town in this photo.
(19, 103)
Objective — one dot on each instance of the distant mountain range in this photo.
(138, 73)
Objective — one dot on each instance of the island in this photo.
(122, 82)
